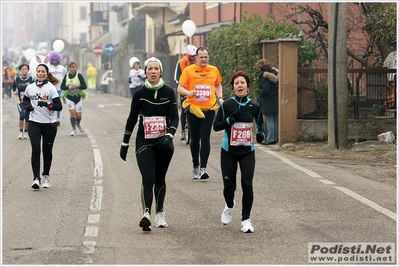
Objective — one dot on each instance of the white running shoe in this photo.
(160, 220)
(246, 226)
(73, 133)
(227, 214)
(20, 135)
(25, 135)
(203, 174)
(195, 173)
(183, 136)
(145, 222)
(36, 183)
(46, 181)
(81, 128)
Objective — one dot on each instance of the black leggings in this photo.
(200, 130)
(36, 131)
(229, 163)
(153, 164)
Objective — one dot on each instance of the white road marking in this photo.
(91, 231)
(326, 181)
(289, 162)
(97, 195)
(98, 164)
(110, 105)
(93, 218)
(350, 193)
(89, 245)
(367, 202)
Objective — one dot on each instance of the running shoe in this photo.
(160, 220)
(36, 183)
(81, 128)
(227, 214)
(203, 174)
(20, 135)
(46, 181)
(246, 226)
(145, 222)
(73, 133)
(195, 173)
(183, 136)
(25, 135)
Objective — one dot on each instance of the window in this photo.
(83, 13)
(82, 38)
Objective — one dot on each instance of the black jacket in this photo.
(268, 99)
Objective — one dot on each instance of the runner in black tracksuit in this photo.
(155, 104)
(235, 117)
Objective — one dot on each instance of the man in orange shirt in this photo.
(201, 84)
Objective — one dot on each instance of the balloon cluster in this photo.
(30, 55)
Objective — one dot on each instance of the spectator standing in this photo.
(136, 76)
(201, 84)
(19, 86)
(155, 105)
(269, 99)
(187, 60)
(73, 92)
(58, 71)
(236, 117)
(91, 74)
(42, 100)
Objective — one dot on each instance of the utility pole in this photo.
(337, 76)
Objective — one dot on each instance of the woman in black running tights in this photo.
(235, 117)
(155, 104)
(42, 101)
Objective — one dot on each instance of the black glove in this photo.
(42, 104)
(235, 116)
(29, 107)
(166, 142)
(260, 137)
(123, 151)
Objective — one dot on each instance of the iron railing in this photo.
(371, 93)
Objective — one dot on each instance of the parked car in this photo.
(107, 76)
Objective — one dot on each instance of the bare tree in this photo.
(311, 18)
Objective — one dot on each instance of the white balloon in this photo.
(33, 65)
(29, 54)
(58, 45)
(188, 27)
(132, 60)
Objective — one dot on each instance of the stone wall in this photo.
(365, 129)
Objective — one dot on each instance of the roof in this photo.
(204, 28)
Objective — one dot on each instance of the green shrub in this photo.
(238, 47)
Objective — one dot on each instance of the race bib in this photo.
(203, 92)
(241, 134)
(154, 127)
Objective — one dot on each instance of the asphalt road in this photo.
(90, 214)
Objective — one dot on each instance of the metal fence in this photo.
(371, 93)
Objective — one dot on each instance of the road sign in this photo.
(98, 50)
(109, 49)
